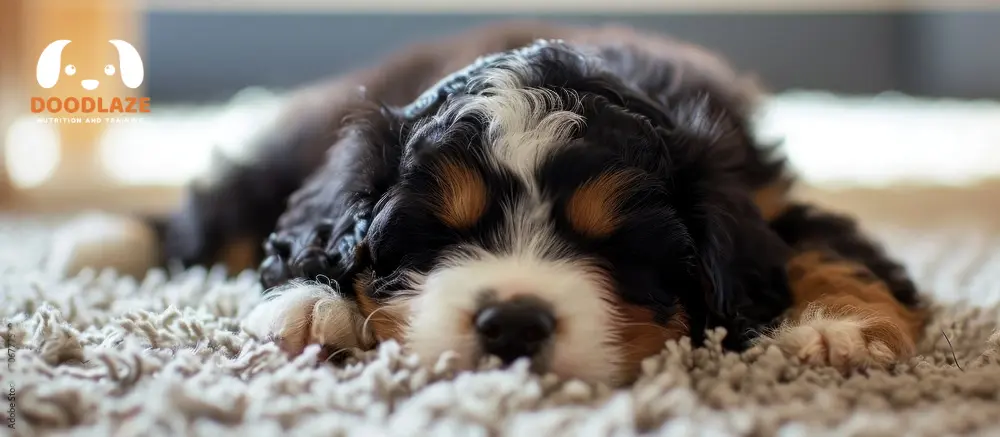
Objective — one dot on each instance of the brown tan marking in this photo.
(594, 209)
(385, 319)
(772, 199)
(642, 337)
(847, 309)
(463, 197)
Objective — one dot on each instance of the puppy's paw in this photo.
(297, 315)
(311, 251)
(845, 342)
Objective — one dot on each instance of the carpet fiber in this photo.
(98, 354)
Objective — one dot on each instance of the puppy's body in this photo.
(576, 201)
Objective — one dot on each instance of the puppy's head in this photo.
(547, 209)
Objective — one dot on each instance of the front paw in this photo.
(845, 342)
(299, 315)
(310, 253)
(306, 254)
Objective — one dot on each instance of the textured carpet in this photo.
(98, 354)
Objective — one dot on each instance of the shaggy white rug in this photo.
(98, 354)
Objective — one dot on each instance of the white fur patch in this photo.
(524, 125)
(299, 314)
(584, 346)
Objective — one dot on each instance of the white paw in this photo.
(297, 315)
(844, 343)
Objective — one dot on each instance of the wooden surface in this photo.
(975, 205)
(119, 199)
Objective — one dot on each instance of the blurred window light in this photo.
(829, 139)
(885, 139)
(32, 152)
(154, 152)
(172, 146)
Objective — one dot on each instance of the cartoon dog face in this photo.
(50, 66)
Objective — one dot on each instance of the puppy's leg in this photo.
(853, 307)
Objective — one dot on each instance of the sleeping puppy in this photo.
(575, 197)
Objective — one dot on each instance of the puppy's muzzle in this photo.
(514, 329)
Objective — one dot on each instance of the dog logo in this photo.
(50, 68)
(50, 71)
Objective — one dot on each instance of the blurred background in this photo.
(867, 93)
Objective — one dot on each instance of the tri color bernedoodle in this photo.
(575, 196)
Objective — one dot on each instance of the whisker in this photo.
(364, 325)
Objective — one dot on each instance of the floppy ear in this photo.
(50, 64)
(328, 216)
(130, 63)
(324, 228)
(740, 258)
(743, 263)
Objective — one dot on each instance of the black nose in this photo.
(514, 329)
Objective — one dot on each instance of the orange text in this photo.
(88, 105)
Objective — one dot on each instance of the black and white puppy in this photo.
(572, 196)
